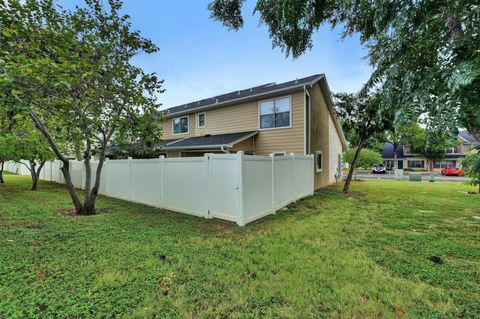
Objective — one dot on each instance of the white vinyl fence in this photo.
(236, 187)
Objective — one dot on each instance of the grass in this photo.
(366, 255)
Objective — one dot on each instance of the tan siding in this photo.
(320, 133)
(246, 146)
(244, 117)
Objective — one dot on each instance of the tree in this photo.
(6, 153)
(424, 54)
(366, 159)
(137, 138)
(471, 166)
(31, 146)
(431, 145)
(363, 115)
(71, 73)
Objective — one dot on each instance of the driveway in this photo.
(425, 176)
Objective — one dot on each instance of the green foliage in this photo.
(366, 159)
(137, 138)
(424, 54)
(71, 72)
(471, 166)
(431, 145)
(328, 256)
(361, 115)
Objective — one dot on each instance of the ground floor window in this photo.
(388, 164)
(416, 163)
(318, 161)
(444, 164)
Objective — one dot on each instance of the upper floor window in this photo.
(275, 113)
(180, 125)
(452, 150)
(202, 120)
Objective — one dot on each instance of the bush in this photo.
(366, 159)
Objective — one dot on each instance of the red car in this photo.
(452, 171)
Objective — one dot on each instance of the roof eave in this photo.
(229, 145)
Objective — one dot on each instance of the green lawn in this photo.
(330, 256)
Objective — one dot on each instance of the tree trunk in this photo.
(90, 202)
(430, 165)
(33, 170)
(37, 174)
(395, 145)
(66, 163)
(71, 189)
(1, 172)
(353, 165)
(474, 131)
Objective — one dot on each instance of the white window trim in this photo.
(198, 120)
(273, 99)
(188, 125)
(316, 158)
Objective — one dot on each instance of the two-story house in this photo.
(271, 119)
(408, 160)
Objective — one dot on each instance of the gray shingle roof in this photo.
(467, 137)
(387, 151)
(241, 94)
(208, 141)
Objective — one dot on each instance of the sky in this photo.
(200, 58)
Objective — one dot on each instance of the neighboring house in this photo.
(271, 119)
(407, 160)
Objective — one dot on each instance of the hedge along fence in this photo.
(235, 187)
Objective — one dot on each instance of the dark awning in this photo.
(207, 141)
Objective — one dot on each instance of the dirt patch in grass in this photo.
(73, 213)
(218, 226)
(24, 223)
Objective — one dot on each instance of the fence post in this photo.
(162, 158)
(129, 178)
(312, 170)
(240, 166)
(206, 158)
(273, 184)
(293, 178)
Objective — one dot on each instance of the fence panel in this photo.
(57, 175)
(47, 171)
(117, 179)
(224, 187)
(257, 187)
(303, 176)
(233, 187)
(77, 172)
(283, 180)
(185, 185)
(146, 182)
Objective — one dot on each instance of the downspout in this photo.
(222, 148)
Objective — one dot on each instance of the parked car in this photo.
(449, 171)
(379, 169)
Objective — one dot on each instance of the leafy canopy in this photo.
(471, 166)
(424, 54)
(71, 73)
